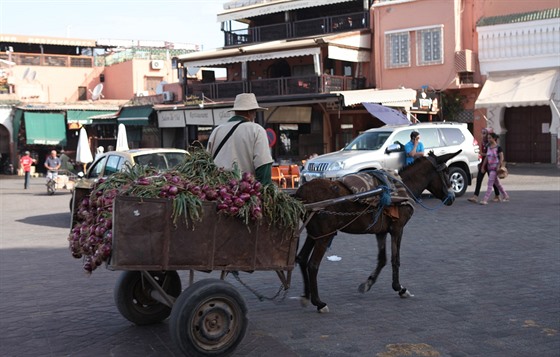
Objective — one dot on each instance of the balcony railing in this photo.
(37, 59)
(274, 86)
(302, 28)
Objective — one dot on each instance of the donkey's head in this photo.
(439, 184)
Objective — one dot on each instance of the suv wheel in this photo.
(459, 181)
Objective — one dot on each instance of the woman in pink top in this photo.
(493, 160)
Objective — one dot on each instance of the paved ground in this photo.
(485, 279)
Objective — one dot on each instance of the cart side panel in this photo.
(234, 244)
(140, 231)
(192, 243)
(276, 247)
(146, 238)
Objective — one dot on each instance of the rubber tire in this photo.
(51, 187)
(134, 301)
(459, 181)
(193, 319)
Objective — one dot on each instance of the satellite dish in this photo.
(159, 88)
(26, 73)
(96, 93)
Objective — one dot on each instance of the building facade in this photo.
(51, 87)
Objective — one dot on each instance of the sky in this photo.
(184, 21)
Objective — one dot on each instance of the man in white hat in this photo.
(241, 142)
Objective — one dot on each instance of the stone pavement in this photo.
(485, 279)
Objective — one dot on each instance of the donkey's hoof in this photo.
(303, 301)
(405, 294)
(362, 288)
(323, 310)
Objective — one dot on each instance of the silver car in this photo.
(384, 148)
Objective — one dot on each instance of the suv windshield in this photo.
(368, 141)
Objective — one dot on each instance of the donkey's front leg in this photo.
(396, 237)
(321, 246)
(303, 261)
(381, 262)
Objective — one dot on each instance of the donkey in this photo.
(358, 217)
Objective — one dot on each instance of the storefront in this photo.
(522, 104)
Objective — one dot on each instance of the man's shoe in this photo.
(473, 199)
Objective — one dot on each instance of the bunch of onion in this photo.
(91, 237)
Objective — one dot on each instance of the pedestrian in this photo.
(64, 161)
(241, 143)
(480, 176)
(25, 163)
(414, 148)
(492, 162)
(99, 151)
(52, 164)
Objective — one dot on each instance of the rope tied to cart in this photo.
(260, 296)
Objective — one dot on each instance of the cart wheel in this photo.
(133, 296)
(208, 319)
(51, 188)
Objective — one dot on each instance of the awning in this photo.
(288, 115)
(139, 115)
(254, 55)
(238, 10)
(45, 128)
(387, 115)
(352, 47)
(390, 97)
(517, 89)
(84, 117)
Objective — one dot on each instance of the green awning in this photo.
(84, 116)
(45, 128)
(135, 115)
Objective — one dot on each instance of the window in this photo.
(96, 171)
(113, 165)
(452, 136)
(429, 45)
(397, 48)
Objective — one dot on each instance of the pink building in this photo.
(453, 50)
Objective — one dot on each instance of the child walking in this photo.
(493, 160)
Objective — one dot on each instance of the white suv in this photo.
(384, 148)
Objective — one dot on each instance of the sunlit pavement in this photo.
(485, 280)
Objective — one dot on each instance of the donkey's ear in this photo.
(444, 158)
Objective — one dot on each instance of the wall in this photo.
(52, 84)
(409, 15)
(124, 80)
(489, 8)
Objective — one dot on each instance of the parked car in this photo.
(116, 161)
(384, 148)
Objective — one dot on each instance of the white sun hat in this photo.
(246, 102)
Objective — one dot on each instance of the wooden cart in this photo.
(208, 318)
